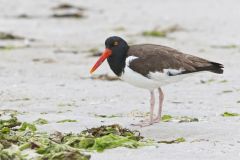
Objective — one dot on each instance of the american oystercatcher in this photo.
(151, 66)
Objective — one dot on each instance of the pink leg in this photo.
(161, 97)
(152, 103)
(151, 121)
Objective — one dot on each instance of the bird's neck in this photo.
(117, 61)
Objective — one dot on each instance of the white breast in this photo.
(155, 80)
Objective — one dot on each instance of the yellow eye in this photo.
(115, 43)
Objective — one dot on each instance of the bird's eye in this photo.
(115, 43)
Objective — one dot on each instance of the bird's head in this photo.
(114, 47)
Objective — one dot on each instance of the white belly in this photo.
(138, 80)
(155, 80)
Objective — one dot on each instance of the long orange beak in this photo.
(104, 55)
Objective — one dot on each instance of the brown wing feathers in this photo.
(153, 58)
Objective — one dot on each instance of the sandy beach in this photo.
(46, 74)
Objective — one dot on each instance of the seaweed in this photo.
(112, 141)
(137, 113)
(166, 118)
(9, 123)
(66, 10)
(24, 16)
(223, 81)
(107, 116)
(7, 47)
(105, 137)
(182, 119)
(66, 120)
(228, 46)
(104, 77)
(207, 81)
(111, 129)
(24, 135)
(43, 60)
(60, 146)
(157, 32)
(227, 91)
(95, 52)
(64, 6)
(68, 15)
(9, 36)
(66, 155)
(119, 29)
(188, 119)
(27, 126)
(229, 114)
(178, 140)
(9, 155)
(20, 99)
(40, 121)
(61, 51)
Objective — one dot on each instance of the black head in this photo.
(115, 42)
(117, 45)
(116, 53)
(119, 48)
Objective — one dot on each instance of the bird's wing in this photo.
(157, 58)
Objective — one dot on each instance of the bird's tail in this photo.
(216, 68)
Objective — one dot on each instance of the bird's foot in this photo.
(142, 124)
(147, 122)
(157, 119)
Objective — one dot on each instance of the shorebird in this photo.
(151, 66)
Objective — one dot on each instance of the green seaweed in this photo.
(9, 36)
(65, 6)
(40, 121)
(223, 81)
(111, 129)
(207, 81)
(104, 77)
(119, 29)
(229, 46)
(66, 120)
(104, 137)
(155, 33)
(162, 32)
(27, 126)
(182, 119)
(10, 155)
(188, 119)
(66, 155)
(166, 118)
(8, 47)
(68, 15)
(229, 114)
(178, 140)
(9, 123)
(60, 146)
(93, 50)
(113, 141)
(106, 116)
(227, 91)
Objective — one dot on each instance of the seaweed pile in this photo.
(22, 140)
